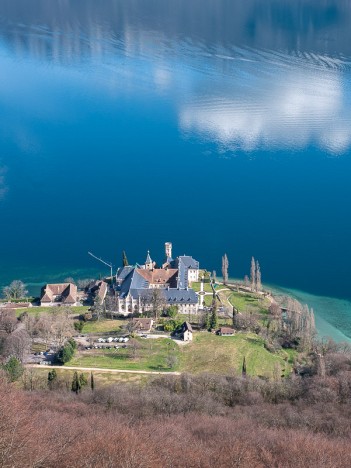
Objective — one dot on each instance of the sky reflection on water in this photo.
(227, 120)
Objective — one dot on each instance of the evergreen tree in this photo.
(243, 369)
(13, 368)
(253, 274)
(83, 381)
(235, 313)
(76, 386)
(92, 384)
(124, 259)
(52, 378)
(207, 323)
(214, 317)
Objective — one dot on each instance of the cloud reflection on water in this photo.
(290, 107)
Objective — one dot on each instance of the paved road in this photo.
(98, 369)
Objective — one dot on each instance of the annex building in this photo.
(136, 285)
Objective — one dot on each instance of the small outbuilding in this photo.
(226, 331)
(186, 332)
(143, 324)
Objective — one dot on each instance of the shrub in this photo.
(13, 369)
(78, 325)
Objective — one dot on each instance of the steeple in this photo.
(148, 262)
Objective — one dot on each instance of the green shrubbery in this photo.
(67, 351)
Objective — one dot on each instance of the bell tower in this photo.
(149, 264)
(168, 251)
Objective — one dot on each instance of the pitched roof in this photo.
(160, 276)
(102, 291)
(123, 272)
(189, 262)
(68, 291)
(143, 323)
(186, 326)
(180, 296)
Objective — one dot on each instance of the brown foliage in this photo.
(186, 421)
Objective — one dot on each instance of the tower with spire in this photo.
(149, 264)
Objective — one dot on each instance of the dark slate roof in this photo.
(133, 283)
(189, 262)
(184, 263)
(123, 272)
(186, 326)
(180, 296)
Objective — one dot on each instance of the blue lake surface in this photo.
(222, 126)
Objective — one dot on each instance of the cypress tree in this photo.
(92, 385)
(243, 369)
(76, 386)
(82, 380)
(52, 377)
(124, 259)
(214, 318)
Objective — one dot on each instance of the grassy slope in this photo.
(223, 355)
(207, 353)
(151, 355)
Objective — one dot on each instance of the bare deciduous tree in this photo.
(258, 277)
(225, 265)
(253, 274)
(153, 301)
(16, 290)
(8, 321)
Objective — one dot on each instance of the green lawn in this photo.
(150, 355)
(207, 353)
(40, 310)
(104, 326)
(242, 301)
(197, 287)
(224, 355)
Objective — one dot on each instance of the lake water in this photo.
(219, 125)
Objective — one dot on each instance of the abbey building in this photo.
(139, 286)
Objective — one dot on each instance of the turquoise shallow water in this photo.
(332, 315)
(222, 126)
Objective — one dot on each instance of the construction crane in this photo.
(102, 261)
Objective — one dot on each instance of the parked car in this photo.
(101, 340)
(109, 340)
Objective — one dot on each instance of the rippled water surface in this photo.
(219, 125)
